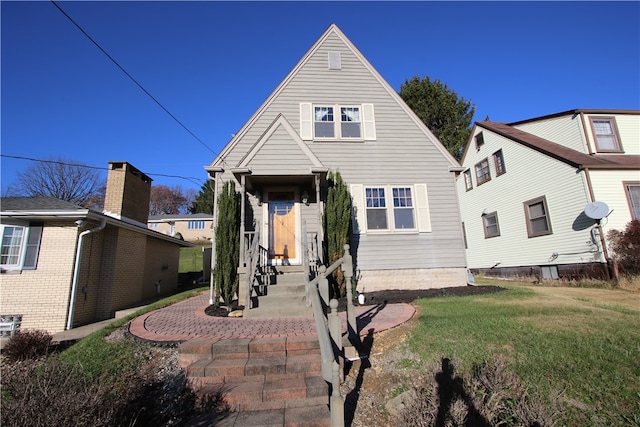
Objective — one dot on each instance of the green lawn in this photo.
(581, 343)
(190, 259)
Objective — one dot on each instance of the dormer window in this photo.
(605, 134)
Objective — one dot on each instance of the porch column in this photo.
(319, 207)
(243, 181)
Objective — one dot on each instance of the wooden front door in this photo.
(282, 227)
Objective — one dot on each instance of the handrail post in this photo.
(335, 327)
(323, 284)
(337, 403)
(347, 271)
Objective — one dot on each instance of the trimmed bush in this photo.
(27, 345)
(625, 248)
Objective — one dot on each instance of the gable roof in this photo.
(38, 204)
(332, 30)
(576, 112)
(280, 122)
(560, 152)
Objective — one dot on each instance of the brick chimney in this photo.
(128, 192)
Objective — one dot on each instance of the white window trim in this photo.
(367, 122)
(421, 213)
(27, 230)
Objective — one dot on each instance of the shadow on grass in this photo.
(351, 400)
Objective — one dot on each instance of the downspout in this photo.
(76, 271)
(605, 252)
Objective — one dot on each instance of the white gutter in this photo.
(76, 271)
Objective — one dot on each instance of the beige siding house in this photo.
(63, 265)
(196, 228)
(335, 112)
(532, 191)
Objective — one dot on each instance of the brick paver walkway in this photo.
(186, 320)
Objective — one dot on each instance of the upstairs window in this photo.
(479, 140)
(20, 247)
(468, 182)
(605, 134)
(537, 214)
(323, 122)
(498, 161)
(350, 122)
(337, 122)
(482, 172)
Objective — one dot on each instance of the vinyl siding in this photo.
(403, 153)
(607, 187)
(564, 130)
(528, 175)
(628, 130)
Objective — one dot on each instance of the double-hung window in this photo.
(350, 122)
(20, 247)
(350, 125)
(324, 125)
(632, 190)
(482, 172)
(376, 208)
(333, 122)
(468, 182)
(403, 215)
(498, 162)
(605, 134)
(390, 208)
(491, 226)
(537, 215)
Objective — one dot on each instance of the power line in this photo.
(131, 78)
(192, 179)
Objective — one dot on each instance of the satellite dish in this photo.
(596, 210)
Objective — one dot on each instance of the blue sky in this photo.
(212, 64)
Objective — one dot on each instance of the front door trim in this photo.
(297, 260)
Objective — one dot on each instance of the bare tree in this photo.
(167, 200)
(63, 179)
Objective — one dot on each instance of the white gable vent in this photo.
(335, 61)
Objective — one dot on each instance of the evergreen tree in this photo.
(337, 224)
(203, 202)
(227, 244)
(439, 107)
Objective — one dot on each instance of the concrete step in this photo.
(279, 307)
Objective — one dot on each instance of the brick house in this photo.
(64, 266)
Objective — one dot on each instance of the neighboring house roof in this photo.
(576, 112)
(560, 152)
(49, 208)
(38, 204)
(198, 216)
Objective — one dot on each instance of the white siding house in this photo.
(335, 112)
(525, 187)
